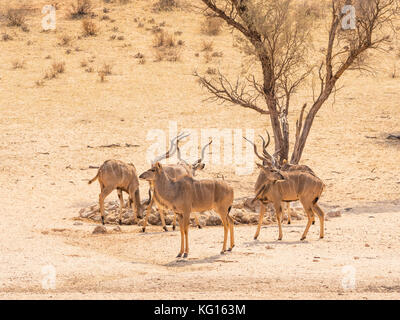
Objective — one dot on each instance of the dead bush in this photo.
(80, 8)
(18, 64)
(65, 40)
(6, 37)
(15, 17)
(55, 69)
(106, 69)
(166, 5)
(164, 39)
(207, 46)
(211, 26)
(89, 28)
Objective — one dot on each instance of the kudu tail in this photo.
(94, 179)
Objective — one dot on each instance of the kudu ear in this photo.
(158, 166)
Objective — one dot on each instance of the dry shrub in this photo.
(212, 26)
(165, 47)
(56, 68)
(15, 17)
(211, 71)
(80, 9)
(166, 5)
(171, 54)
(6, 37)
(106, 69)
(65, 40)
(18, 64)
(164, 39)
(207, 46)
(89, 28)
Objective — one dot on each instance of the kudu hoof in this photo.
(120, 222)
(289, 222)
(179, 255)
(200, 227)
(143, 230)
(313, 222)
(303, 238)
(165, 229)
(222, 252)
(173, 228)
(102, 221)
(185, 255)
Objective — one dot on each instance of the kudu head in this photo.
(151, 174)
(198, 164)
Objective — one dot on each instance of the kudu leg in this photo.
(231, 224)
(186, 224)
(289, 213)
(317, 209)
(162, 217)
(181, 229)
(121, 205)
(196, 219)
(310, 215)
(103, 194)
(148, 210)
(278, 212)
(225, 223)
(174, 222)
(260, 220)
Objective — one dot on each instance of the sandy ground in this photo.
(45, 133)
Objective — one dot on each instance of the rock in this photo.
(213, 221)
(154, 219)
(99, 230)
(253, 219)
(78, 223)
(117, 229)
(367, 245)
(334, 214)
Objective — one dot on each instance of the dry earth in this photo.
(44, 159)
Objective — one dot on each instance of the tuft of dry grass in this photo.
(15, 17)
(164, 39)
(6, 37)
(211, 26)
(166, 5)
(55, 69)
(80, 8)
(89, 28)
(18, 64)
(65, 40)
(106, 69)
(207, 46)
(166, 47)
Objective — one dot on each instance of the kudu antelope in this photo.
(188, 195)
(115, 174)
(295, 183)
(175, 171)
(269, 160)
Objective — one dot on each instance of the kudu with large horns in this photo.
(175, 171)
(115, 174)
(295, 183)
(187, 195)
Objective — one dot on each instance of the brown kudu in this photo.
(293, 183)
(188, 195)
